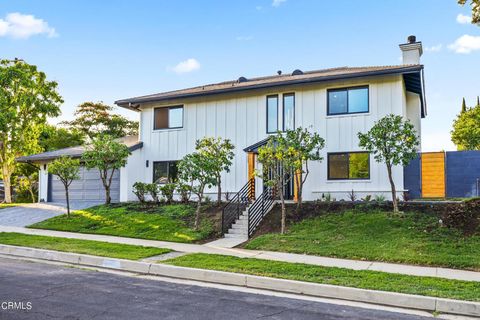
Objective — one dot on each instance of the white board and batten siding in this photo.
(241, 117)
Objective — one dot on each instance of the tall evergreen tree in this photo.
(478, 101)
(464, 106)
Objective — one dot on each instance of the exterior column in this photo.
(251, 174)
(298, 175)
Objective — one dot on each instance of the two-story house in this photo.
(337, 103)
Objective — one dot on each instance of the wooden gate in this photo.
(433, 175)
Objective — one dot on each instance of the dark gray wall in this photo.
(462, 173)
(412, 180)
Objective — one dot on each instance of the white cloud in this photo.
(466, 44)
(244, 38)
(186, 66)
(277, 3)
(436, 48)
(23, 26)
(463, 19)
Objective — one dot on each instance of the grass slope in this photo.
(427, 286)
(411, 238)
(167, 222)
(96, 248)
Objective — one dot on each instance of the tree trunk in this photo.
(197, 212)
(68, 201)
(219, 192)
(32, 194)
(107, 195)
(394, 192)
(7, 183)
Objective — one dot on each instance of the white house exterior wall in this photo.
(242, 119)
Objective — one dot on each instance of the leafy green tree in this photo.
(95, 118)
(393, 141)
(54, 138)
(108, 156)
(279, 160)
(308, 146)
(475, 9)
(25, 181)
(66, 169)
(466, 129)
(221, 153)
(199, 169)
(26, 100)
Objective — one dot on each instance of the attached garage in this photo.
(88, 188)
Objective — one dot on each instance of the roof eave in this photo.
(128, 103)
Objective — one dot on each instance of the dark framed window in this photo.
(168, 118)
(348, 100)
(164, 171)
(272, 114)
(288, 111)
(349, 166)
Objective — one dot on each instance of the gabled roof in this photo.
(76, 152)
(294, 78)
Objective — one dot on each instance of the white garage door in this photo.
(88, 188)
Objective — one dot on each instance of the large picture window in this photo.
(288, 111)
(165, 172)
(348, 166)
(347, 101)
(272, 114)
(168, 118)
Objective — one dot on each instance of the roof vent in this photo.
(412, 39)
(242, 79)
(279, 72)
(297, 72)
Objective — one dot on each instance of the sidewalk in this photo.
(265, 255)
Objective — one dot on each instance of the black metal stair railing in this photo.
(240, 201)
(259, 209)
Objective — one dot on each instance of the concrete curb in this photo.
(393, 299)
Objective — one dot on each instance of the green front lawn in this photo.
(374, 280)
(96, 248)
(412, 238)
(165, 222)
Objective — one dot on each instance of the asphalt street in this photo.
(46, 291)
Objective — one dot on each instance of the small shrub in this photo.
(207, 199)
(140, 189)
(352, 196)
(185, 192)
(154, 190)
(327, 197)
(380, 198)
(168, 190)
(464, 217)
(367, 198)
(406, 196)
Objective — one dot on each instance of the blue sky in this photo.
(107, 50)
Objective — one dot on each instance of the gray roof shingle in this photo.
(76, 152)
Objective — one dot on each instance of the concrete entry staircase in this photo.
(240, 228)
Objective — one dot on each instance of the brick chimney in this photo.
(411, 51)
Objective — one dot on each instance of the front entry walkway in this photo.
(266, 255)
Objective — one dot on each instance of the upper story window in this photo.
(272, 114)
(347, 101)
(168, 118)
(288, 113)
(348, 166)
(164, 171)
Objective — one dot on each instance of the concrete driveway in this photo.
(26, 214)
